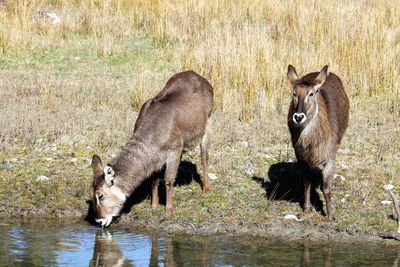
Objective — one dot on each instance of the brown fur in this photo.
(176, 119)
(317, 139)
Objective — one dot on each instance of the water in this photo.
(55, 243)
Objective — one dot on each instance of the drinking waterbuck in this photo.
(317, 119)
(176, 119)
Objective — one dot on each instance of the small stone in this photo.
(386, 202)
(42, 178)
(49, 159)
(388, 187)
(339, 177)
(347, 195)
(73, 160)
(50, 147)
(244, 143)
(344, 166)
(113, 156)
(39, 140)
(212, 176)
(267, 156)
(344, 151)
(343, 200)
(14, 159)
(291, 217)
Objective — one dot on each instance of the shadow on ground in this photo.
(285, 183)
(187, 173)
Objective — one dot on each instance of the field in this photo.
(72, 89)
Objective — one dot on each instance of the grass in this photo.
(80, 84)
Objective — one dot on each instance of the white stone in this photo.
(14, 160)
(212, 176)
(386, 202)
(347, 195)
(338, 176)
(42, 178)
(343, 200)
(73, 160)
(245, 143)
(291, 217)
(49, 159)
(52, 17)
(113, 156)
(388, 187)
(344, 166)
(344, 151)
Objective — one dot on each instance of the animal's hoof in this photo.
(168, 213)
(154, 206)
(307, 209)
(206, 189)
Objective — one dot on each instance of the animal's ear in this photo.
(109, 175)
(97, 166)
(321, 77)
(292, 74)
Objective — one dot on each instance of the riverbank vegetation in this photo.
(73, 88)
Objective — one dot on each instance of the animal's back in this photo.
(178, 110)
(336, 102)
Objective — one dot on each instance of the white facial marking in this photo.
(299, 118)
(104, 222)
(108, 174)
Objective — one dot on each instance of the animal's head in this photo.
(108, 199)
(305, 95)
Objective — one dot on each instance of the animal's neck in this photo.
(317, 130)
(137, 161)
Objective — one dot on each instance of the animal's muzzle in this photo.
(299, 117)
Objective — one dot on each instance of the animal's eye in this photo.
(311, 94)
(294, 93)
(100, 196)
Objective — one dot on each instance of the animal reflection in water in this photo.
(107, 251)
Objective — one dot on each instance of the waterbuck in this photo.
(317, 119)
(176, 119)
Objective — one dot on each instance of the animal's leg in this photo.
(327, 186)
(307, 189)
(154, 193)
(173, 160)
(205, 141)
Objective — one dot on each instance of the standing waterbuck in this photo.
(176, 119)
(317, 119)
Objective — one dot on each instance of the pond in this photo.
(57, 243)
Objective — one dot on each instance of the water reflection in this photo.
(107, 251)
(49, 243)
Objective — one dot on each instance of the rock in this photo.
(49, 159)
(339, 177)
(14, 159)
(344, 151)
(344, 166)
(113, 156)
(388, 187)
(244, 143)
(73, 160)
(248, 168)
(50, 147)
(291, 217)
(343, 200)
(386, 202)
(212, 176)
(50, 17)
(42, 178)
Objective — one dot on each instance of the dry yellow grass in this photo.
(242, 48)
